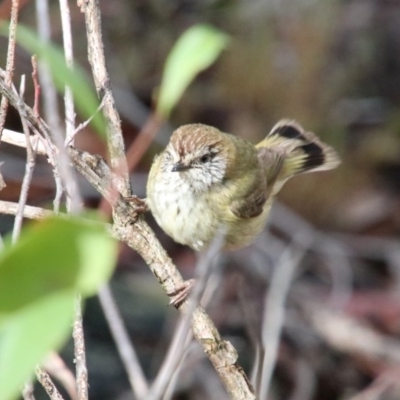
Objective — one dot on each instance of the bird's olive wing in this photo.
(252, 203)
(271, 161)
(250, 206)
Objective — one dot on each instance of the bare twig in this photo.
(36, 103)
(62, 169)
(56, 367)
(69, 58)
(48, 385)
(143, 141)
(137, 149)
(50, 100)
(385, 382)
(125, 348)
(27, 392)
(9, 208)
(340, 332)
(70, 139)
(10, 60)
(182, 337)
(274, 310)
(103, 86)
(80, 354)
(29, 167)
(305, 384)
(18, 139)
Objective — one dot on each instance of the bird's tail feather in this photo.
(304, 152)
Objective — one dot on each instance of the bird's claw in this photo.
(140, 206)
(178, 296)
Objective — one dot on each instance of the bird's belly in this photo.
(193, 221)
(242, 231)
(184, 216)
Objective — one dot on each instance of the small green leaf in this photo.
(29, 335)
(52, 255)
(45, 259)
(39, 277)
(194, 51)
(98, 252)
(85, 97)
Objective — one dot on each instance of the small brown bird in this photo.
(205, 179)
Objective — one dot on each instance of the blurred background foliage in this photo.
(334, 66)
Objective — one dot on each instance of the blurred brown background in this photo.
(332, 65)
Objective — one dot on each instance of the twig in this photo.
(9, 208)
(143, 141)
(62, 169)
(29, 167)
(50, 100)
(181, 339)
(27, 392)
(340, 330)
(48, 385)
(70, 139)
(383, 383)
(103, 86)
(80, 355)
(56, 367)
(125, 348)
(10, 60)
(69, 58)
(274, 311)
(305, 384)
(18, 139)
(137, 149)
(36, 105)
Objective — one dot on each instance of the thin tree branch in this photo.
(80, 354)
(179, 344)
(50, 100)
(36, 103)
(125, 348)
(274, 310)
(18, 139)
(9, 208)
(48, 385)
(62, 167)
(69, 58)
(29, 167)
(339, 330)
(27, 392)
(103, 86)
(56, 367)
(10, 60)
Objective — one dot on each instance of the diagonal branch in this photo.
(10, 60)
(135, 232)
(103, 86)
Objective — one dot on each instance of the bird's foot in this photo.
(141, 204)
(178, 296)
(139, 208)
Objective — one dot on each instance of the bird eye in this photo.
(205, 158)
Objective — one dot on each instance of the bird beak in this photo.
(178, 167)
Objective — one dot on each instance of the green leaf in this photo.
(45, 260)
(39, 277)
(29, 335)
(194, 51)
(85, 97)
(98, 252)
(53, 255)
